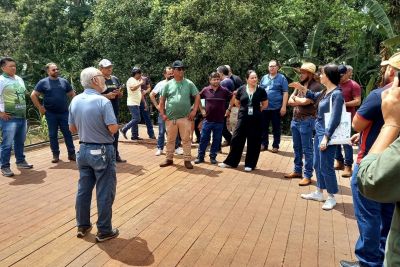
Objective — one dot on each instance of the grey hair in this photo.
(348, 67)
(87, 76)
(228, 67)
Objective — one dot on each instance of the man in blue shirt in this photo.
(55, 91)
(276, 86)
(91, 115)
(373, 218)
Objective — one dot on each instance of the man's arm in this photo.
(196, 104)
(284, 103)
(355, 102)
(113, 128)
(73, 129)
(359, 123)
(35, 100)
(162, 108)
(71, 94)
(153, 99)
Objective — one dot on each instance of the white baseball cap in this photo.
(104, 63)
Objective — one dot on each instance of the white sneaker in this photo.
(329, 204)
(159, 152)
(316, 195)
(247, 169)
(223, 165)
(179, 151)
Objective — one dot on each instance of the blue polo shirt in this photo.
(275, 88)
(54, 94)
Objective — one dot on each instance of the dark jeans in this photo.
(226, 133)
(273, 117)
(133, 124)
(57, 121)
(147, 120)
(216, 129)
(373, 220)
(96, 164)
(13, 132)
(247, 129)
(348, 154)
(302, 135)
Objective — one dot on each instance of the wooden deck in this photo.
(207, 216)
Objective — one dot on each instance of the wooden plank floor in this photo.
(207, 216)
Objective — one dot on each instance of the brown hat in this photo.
(308, 66)
(393, 61)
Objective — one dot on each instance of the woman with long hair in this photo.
(324, 154)
(252, 99)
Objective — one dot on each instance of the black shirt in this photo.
(113, 84)
(259, 96)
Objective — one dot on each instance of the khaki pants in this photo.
(184, 126)
(233, 118)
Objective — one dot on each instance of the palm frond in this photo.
(378, 13)
(314, 40)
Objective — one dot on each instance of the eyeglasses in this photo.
(98, 76)
(179, 69)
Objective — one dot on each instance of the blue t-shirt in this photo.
(54, 94)
(275, 88)
(371, 111)
(323, 107)
(228, 84)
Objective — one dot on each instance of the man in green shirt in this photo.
(378, 175)
(12, 116)
(175, 110)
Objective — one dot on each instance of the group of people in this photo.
(93, 115)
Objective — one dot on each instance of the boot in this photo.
(339, 165)
(55, 159)
(347, 172)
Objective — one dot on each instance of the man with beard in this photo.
(373, 218)
(302, 125)
(55, 91)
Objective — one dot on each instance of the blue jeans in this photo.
(348, 155)
(273, 117)
(96, 164)
(54, 121)
(323, 163)
(147, 120)
(161, 135)
(133, 124)
(13, 132)
(302, 135)
(216, 129)
(373, 220)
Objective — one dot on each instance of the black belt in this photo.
(101, 144)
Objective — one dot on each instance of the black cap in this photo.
(342, 69)
(178, 64)
(136, 70)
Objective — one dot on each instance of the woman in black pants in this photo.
(252, 99)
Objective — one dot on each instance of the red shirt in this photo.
(350, 90)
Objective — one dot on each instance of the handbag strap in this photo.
(330, 103)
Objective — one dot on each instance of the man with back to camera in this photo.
(114, 93)
(55, 91)
(276, 87)
(12, 117)
(91, 116)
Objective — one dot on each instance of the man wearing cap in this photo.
(373, 215)
(114, 93)
(276, 87)
(175, 109)
(302, 125)
(12, 117)
(55, 91)
(133, 100)
(352, 96)
(92, 117)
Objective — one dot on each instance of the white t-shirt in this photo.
(134, 97)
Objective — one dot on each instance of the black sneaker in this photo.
(198, 161)
(104, 237)
(136, 139)
(123, 133)
(72, 157)
(83, 230)
(119, 160)
(24, 165)
(55, 158)
(7, 172)
(213, 161)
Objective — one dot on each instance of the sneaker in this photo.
(247, 169)
(83, 231)
(104, 237)
(198, 161)
(223, 165)
(136, 139)
(166, 163)
(213, 161)
(7, 172)
(119, 160)
(347, 172)
(72, 157)
(188, 164)
(275, 150)
(159, 152)
(329, 204)
(179, 151)
(123, 133)
(24, 165)
(55, 159)
(316, 195)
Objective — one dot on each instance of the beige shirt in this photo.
(134, 97)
